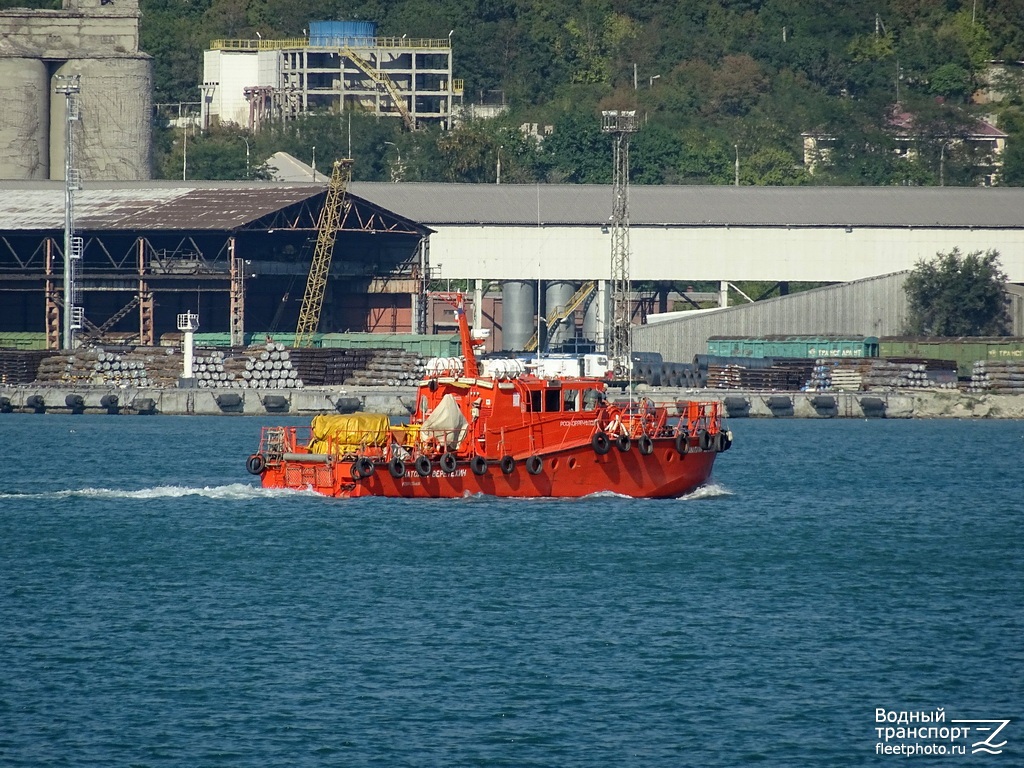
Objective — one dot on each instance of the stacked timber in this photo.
(1000, 377)
(19, 366)
(389, 368)
(781, 375)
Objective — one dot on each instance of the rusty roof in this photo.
(153, 205)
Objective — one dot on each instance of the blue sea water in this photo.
(158, 609)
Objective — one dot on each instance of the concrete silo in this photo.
(98, 40)
(25, 126)
(113, 143)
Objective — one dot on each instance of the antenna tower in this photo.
(620, 124)
(74, 312)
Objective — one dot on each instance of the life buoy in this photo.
(396, 467)
(448, 463)
(645, 445)
(600, 443)
(623, 443)
(255, 464)
(704, 440)
(534, 465)
(508, 465)
(422, 466)
(479, 465)
(682, 441)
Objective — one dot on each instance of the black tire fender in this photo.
(363, 468)
(396, 467)
(534, 465)
(479, 465)
(623, 443)
(422, 465)
(682, 442)
(645, 445)
(255, 464)
(448, 462)
(704, 440)
(508, 465)
(600, 443)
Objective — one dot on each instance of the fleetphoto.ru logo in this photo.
(903, 732)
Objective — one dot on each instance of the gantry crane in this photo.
(327, 231)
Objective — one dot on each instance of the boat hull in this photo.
(568, 473)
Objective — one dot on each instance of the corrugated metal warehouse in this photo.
(484, 234)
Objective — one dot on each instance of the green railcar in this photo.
(794, 346)
(965, 350)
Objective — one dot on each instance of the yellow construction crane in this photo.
(327, 231)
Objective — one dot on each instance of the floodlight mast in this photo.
(620, 124)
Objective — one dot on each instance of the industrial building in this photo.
(519, 243)
(79, 71)
(238, 254)
(341, 66)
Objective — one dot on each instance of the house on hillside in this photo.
(986, 143)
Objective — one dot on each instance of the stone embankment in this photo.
(399, 401)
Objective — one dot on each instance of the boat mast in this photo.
(457, 300)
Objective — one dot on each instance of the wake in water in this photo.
(232, 492)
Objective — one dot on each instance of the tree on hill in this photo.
(958, 295)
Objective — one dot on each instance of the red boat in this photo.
(499, 432)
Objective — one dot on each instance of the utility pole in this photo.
(620, 124)
(74, 315)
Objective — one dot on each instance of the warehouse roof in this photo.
(162, 205)
(226, 205)
(585, 204)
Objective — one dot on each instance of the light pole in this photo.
(314, 162)
(737, 148)
(246, 156)
(398, 169)
(653, 78)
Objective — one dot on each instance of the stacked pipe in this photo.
(328, 367)
(865, 374)
(19, 366)
(1000, 377)
(391, 368)
(266, 368)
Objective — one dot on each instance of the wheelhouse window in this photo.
(552, 400)
(591, 397)
(535, 401)
(571, 400)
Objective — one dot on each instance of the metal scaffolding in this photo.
(620, 124)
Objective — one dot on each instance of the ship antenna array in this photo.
(620, 124)
(74, 313)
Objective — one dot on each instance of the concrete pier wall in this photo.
(399, 402)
